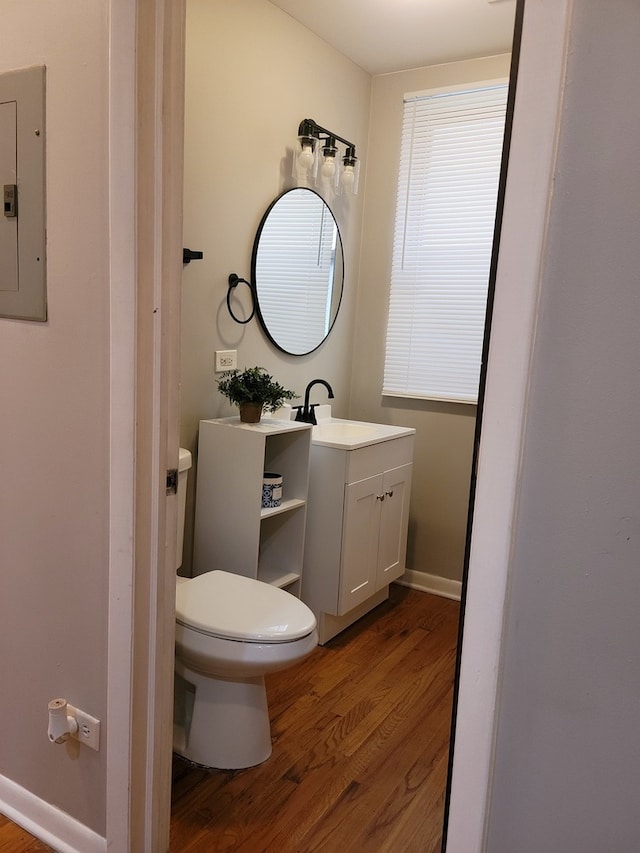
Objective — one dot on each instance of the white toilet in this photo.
(230, 632)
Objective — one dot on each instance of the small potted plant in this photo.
(253, 390)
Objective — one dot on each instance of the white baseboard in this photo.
(434, 584)
(51, 825)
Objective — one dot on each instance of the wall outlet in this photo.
(88, 728)
(226, 359)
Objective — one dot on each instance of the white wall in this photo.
(567, 764)
(54, 520)
(444, 432)
(253, 73)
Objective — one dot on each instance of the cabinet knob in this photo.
(379, 497)
(389, 493)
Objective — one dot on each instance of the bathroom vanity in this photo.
(233, 532)
(357, 519)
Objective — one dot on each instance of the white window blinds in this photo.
(446, 205)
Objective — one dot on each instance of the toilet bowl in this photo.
(230, 632)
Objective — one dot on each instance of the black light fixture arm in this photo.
(308, 127)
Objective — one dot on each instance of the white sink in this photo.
(337, 430)
(348, 435)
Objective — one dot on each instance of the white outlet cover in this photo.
(88, 728)
(226, 359)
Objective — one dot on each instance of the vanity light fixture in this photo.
(317, 159)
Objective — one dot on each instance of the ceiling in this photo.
(382, 36)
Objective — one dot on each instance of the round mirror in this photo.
(298, 270)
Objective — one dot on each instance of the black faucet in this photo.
(307, 413)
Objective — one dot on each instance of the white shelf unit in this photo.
(232, 530)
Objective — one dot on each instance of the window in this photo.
(446, 204)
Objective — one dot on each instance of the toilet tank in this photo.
(184, 463)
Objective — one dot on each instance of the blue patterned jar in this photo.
(271, 489)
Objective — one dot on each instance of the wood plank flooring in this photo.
(360, 743)
(13, 839)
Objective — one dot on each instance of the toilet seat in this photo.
(232, 607)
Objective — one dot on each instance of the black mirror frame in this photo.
(254, 278)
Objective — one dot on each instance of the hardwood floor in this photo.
(359, 762)
(13, 839)
(360, 744)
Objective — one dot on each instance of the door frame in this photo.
(528, 190)
(146, 136)
(146, 132)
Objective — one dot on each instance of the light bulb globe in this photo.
(348, 176)
(305, 157)
(328, 167)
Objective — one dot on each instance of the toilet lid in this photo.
(237, 608)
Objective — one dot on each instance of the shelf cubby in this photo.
(234, 532)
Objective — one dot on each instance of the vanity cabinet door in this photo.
(360, 529)
(394, 522)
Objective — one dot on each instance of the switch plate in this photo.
(226, 359)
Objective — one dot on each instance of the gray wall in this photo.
(234, 88)
(54, 426)
(567, 762)
(444, 431)
(252, 74)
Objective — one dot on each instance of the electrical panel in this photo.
(23, 293)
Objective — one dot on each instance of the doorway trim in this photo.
(538, 99)
(146, 97)
(145, 332)
(122, 296)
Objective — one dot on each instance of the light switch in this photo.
(22, 177)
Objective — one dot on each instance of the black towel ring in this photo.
(234, 281)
